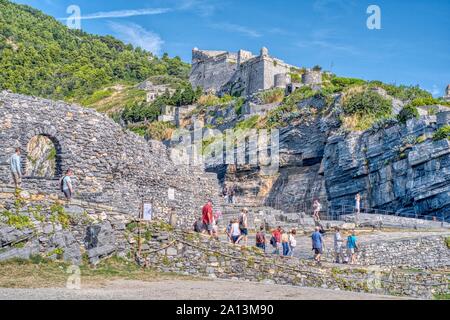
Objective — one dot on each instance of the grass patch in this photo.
(442, 296)
(210, 100)
(272, 96)
(40, 272)
(160, 131)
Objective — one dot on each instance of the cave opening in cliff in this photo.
(42, 157)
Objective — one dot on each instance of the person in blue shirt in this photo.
(317, 244)
(352, 247)
(16, 168)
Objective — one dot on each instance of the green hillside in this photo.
(40, 56)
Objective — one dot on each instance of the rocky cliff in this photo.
(396, 167)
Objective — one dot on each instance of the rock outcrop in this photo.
(398, 168)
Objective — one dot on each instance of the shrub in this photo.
(341, 83)
(421, 139)
(423, 102)
(367, 102)
(404, 93)
(249, 123)
(160, 131)
(97, 96)
(272, 96)
(210, 100)
(364, 107)
(141, 111)
(238, 106)
(407, 113)
(138, 129)
(442, 133)
(296, 77)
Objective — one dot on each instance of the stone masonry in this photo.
(191, 254)
(112, 166)
(237, 74)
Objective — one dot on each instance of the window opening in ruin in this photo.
(42, 157)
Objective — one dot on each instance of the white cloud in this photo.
(327, 39)
(230, 27)
(138, 36)
(204, 8)
(123, 13)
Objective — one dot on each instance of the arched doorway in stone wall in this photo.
(43, 157)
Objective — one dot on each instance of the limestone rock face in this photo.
(41, 159)
(391, 168)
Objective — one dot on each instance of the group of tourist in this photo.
(283, 242)
(237, 229)
(228, 193)
(208, 222)
(15, 164)
(318, 246)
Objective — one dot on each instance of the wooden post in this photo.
(141, 214)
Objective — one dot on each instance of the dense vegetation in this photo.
(442, 133)
(42, 57)
(138, 111)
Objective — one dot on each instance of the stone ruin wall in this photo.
(242, 74)
(112, 166)
(211, 70)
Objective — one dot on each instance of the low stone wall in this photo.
(395, 221)
(192, 254)
(426, 252)
(35, 223)
(422, 252)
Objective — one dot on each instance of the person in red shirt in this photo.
(276, 235)
(207, 217)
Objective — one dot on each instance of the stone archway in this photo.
(43, 157)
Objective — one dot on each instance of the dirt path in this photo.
(186, 290)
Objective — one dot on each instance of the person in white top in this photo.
(16, 168)
(357, 207)
(338, 246)
(66, 184)
(292, 242)
(235, 232)
(316, 207)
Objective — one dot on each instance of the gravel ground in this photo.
(186, 290)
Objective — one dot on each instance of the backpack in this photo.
(61, 186)
(241, 222)
(273, 241)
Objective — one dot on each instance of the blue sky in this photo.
(412, 47)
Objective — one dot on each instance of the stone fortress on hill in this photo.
(243, 73)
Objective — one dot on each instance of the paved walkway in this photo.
(187, 290)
